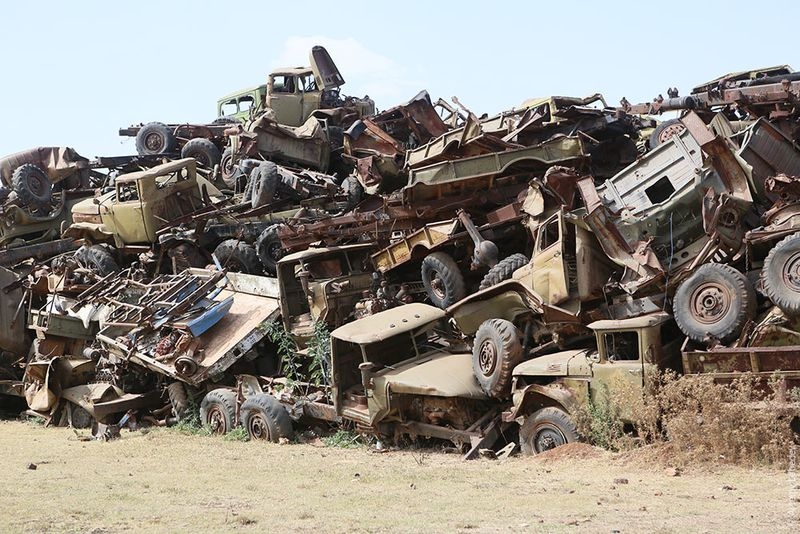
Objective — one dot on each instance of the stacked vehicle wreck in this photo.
(419, 271)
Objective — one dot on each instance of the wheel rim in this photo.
(710, 303)
(36, 185)
(487, 358)
(202, 159)
(257, 427)
(154, 142)
(275, 251)
(216, 420)
(548, 437)
(80, 417)
(791, 272)
(437, 285)
(670, 131)
(226, 166)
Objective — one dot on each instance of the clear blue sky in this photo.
(74, 72)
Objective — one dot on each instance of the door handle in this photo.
(633, 371)
(557, 254)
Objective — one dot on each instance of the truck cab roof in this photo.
(642, 321)
(389, 323)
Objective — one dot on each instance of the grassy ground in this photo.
(166, 481)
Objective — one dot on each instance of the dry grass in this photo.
(164, 481)
(699, 421)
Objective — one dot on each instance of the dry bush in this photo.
(741, 422)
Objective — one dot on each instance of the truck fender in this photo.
(536, 396)
(96, 233)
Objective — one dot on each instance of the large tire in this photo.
(155, 138)
(546, 429)
(32, 186)
(227, 168)
(178, 399)
(270, 249)
(355, 192)
(79, 417)
(218, 411)
(237, 256)
(503, 270)
(265, 184)
(495, 353)
(226, 120)
(780, 276)
(664, 132)
(442, 279)
(203, 150)
(98, 258)
(265, 418)
(717, 300)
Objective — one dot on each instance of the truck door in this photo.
(285, 100)
(620, 369)
(549, 268)
(127, 213)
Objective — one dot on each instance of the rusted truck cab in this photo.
(549, 390)
(322, 284)
(141, 204)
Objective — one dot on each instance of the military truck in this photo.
(388, 375)
(550, 390)
(289, 98)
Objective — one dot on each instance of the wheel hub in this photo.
(216, 421)
(37, 186)
(791, 272)
(275, 251)
(257, 427)
(548, 438)
(670, 131)
(437, 285)
(710, 303)
(153, 142)
(487, 360)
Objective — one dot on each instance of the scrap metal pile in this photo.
(418, 271)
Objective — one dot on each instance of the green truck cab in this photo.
(240, 105)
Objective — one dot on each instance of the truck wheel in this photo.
(227, 169)
(32, 186)
(717, 300)
(179, 400)
(495, 353)
(270, 249)
(203, 151)
(218, 411)
(155, 138)
(265, 419)
(503, 270)
(225, 120)
(442, 279)
(781, 275)
(355, 192)
(98, 259)
(547, 429)
(79, 416)
(238, 257)
(664, 132)
(265, 182)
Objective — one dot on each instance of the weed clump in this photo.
(741, 422)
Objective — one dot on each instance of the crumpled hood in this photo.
(566, 363)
